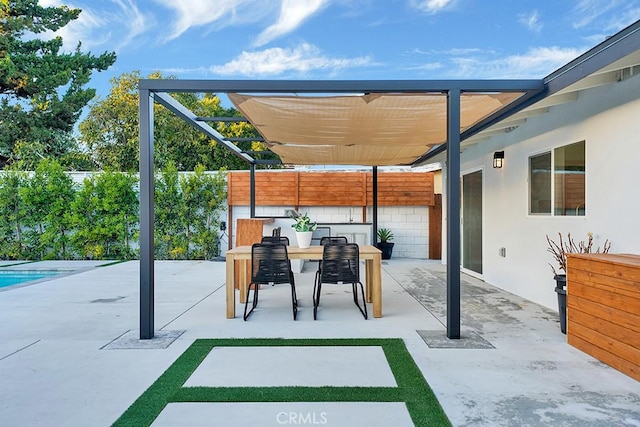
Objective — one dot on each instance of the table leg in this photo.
(377, 285)
(231, 291)
(243, 281)
(368, 267)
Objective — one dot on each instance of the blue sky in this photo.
(342, 39)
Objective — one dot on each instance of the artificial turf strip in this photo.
(412, 388)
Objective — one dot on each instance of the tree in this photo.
(170, 241)
(105, 216)
(111, 131)
(47, 196)
(41, 88)
(12, 214)
(203, 196)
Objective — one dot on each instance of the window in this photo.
(557, 181)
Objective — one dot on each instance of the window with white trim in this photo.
(557, 181)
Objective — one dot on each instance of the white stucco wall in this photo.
(607, 118)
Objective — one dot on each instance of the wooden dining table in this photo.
(369, 253)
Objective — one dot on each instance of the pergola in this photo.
(375, 123)
(370, 123)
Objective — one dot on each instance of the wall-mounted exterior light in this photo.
(498, 158)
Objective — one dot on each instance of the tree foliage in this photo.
(203, 196)
(44, 215)
(187, 213)
(111, 131)
(12, 214)
(170, 242)
(105, 216)
(41, 87)
(46, 199)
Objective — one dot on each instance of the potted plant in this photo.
(385, 245)
(304, 229)
(559, 251)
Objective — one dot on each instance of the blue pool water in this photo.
(13, 277)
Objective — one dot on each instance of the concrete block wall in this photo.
(410, 227)
(409, 224)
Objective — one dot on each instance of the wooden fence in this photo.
(299, 188)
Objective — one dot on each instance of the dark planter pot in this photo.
(386, 248)
(561, 281)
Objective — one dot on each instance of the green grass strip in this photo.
(423, 406)
(109, 264)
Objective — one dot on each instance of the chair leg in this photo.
(256, 287)
(317, 288)
(294, 300)
(294, 296)
(364, 300)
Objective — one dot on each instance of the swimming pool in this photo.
(14, 277)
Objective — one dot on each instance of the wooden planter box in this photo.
(603, 308)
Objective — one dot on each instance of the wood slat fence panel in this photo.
(297, 188)
(603, 308)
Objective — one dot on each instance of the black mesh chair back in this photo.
(326, 240)
(269, 266)
(333, 240)
(276, 239)
(340, 265)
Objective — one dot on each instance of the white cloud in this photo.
(622, 20)
(134, 21)
(432, 6)
(292, 14)
(531, 21)
(536, 63)
(587, 11)
(302, 59)
(116, 26)
(222, 13)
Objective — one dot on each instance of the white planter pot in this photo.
(304, 238)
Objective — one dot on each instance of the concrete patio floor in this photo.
(69, 354)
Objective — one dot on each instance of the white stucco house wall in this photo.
(601, 108)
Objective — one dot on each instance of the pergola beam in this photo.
(181, 111)
(337, 86)
(223, 119)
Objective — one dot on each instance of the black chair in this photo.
(270, 266)
(276, 239)
(329, 240)
(340, 265)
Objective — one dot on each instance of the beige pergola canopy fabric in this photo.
(369, 130)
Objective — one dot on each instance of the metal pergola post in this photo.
(374, 191)
(252, 190)
(453, 213)
(146, 216)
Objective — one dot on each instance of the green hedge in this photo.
(43, 215)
